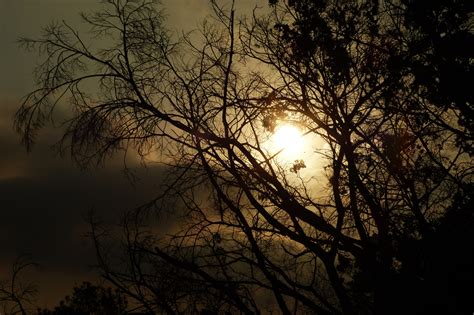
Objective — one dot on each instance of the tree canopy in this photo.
(88, 299)
(359, 222)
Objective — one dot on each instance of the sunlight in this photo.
(289, 140)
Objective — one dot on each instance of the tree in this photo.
(16, 296)
(368, 79)
(90, 299)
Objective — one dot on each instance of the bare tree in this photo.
(251, 225)
(17, 296)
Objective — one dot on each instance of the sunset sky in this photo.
(43, 197)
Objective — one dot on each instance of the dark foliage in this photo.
(88, 299)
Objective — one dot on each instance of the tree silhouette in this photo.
(90, 299)
(384, 85)
(17, 296)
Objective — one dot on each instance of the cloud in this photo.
(43, 198)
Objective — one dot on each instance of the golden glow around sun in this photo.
(287, 141)
(302, 155)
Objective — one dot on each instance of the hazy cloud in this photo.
(43, 198)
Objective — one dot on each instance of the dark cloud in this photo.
(43, 199)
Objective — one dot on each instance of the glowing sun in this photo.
(287, 141)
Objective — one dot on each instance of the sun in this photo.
(287, 142)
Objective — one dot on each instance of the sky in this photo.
(43, 197)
